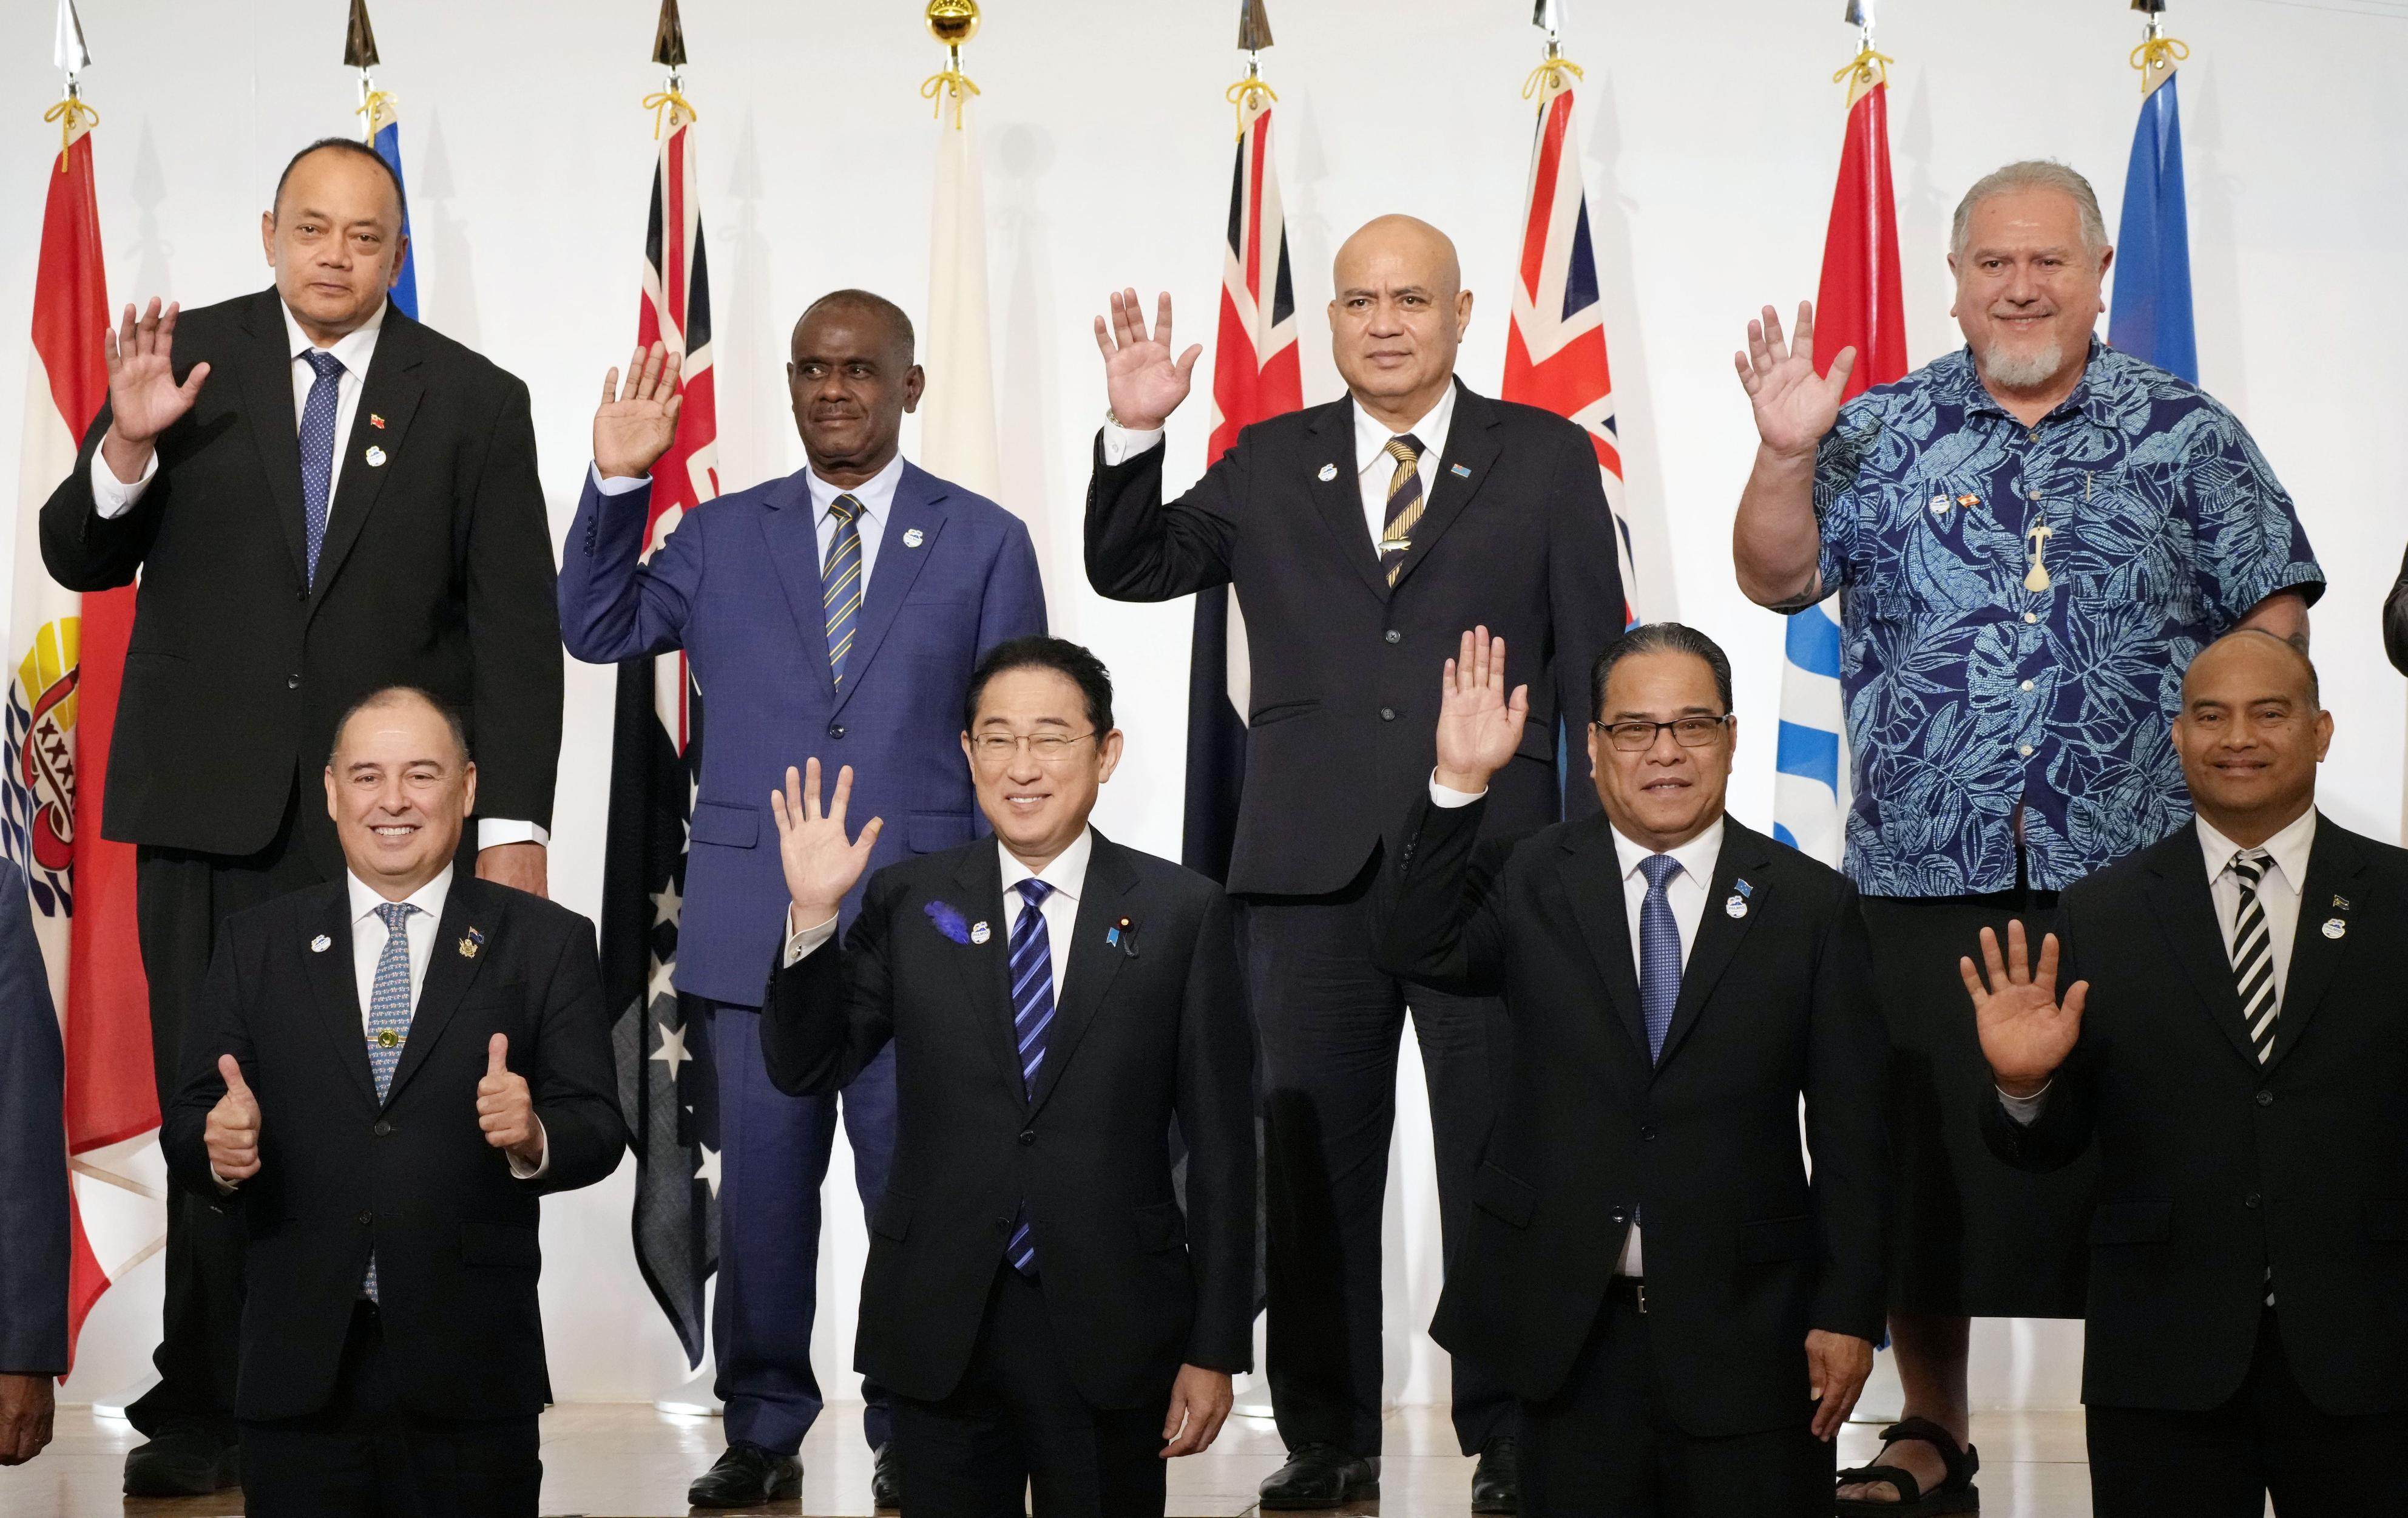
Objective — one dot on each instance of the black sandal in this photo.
(1955, 1494)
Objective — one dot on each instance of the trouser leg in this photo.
(1593, 1448)
(868, 1111)
(1464, 1052)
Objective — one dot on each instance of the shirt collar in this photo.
(875, 494)
(1371, 435)
(2288, 849)
(428, 898)
(1066, 872)
(353, 350)
(1698, 857)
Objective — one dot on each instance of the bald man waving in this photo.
(1362, 536)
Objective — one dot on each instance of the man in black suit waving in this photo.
(382, 1076)
(321, 497)
(1361, 537)
(1687, 1317)
(1035, 1297)
(2233, 1038)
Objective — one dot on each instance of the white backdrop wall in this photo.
(1711, 138)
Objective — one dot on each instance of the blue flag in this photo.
(2151, 319)
(388, 147)
(1810, 780)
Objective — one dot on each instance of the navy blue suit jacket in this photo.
(736, 586)
(32, 1149)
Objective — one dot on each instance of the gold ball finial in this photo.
(952, 22)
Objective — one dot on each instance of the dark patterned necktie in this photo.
(1659, 952)
(1404, 504)
(388, 1018)
(1032, 1015)
(2253, 955)
(318, 448)
(840, 583)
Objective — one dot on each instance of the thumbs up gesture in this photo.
(232, 1133)
(503, 1109)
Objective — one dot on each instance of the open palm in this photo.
(2026, 1032)
(820, 863)
(144, 399)
(1794, 405)
(1143, 383)
(1479, 726)
(638, 422)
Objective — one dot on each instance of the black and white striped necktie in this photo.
(2253, 955)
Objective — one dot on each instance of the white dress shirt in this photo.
(1684, 891)
(1373, 467)
(875, 495)
(2278, 897)
(1066, 872)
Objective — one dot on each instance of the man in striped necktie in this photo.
(2233, 1033)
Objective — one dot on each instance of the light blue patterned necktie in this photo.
(1659, 952)
(318, 448)
(1032, 1015)
(388, 1018)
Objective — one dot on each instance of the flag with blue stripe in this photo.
(385, 135)
(1810, 781)
(2151, 318)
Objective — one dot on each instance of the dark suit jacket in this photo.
(1744, 1253)
(736, 586)
(2395, 620)
(2212, 1166)
(32, 1149)
(436, 572)
(1517, 537)
(412, 1178)
(1149, 1030)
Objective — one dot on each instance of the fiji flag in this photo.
(2151, 319)
(385, 135)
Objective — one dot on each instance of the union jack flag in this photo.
(1255, 375)
(1554, 348)
(667, 1092)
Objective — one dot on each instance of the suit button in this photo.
(1616, 1215)
(2250, 1200)
(382, 1129)
(300, 596)
(1003, 1226)
(1394, 636)
(1029, 1135)
(1647, 1130)
(367, 1218)
(2265, 1098)
(1388, 714)
(293, 683)
(836, 730)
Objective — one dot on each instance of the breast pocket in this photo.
(725, 827)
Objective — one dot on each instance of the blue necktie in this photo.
(318, 449)
(840, 583)
(388, 1018)
(1032, 1014)
(1659, 952)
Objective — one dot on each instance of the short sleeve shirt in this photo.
(2158, 526)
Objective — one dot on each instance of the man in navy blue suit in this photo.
(835, 613)
(33, 1183)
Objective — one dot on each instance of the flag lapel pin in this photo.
(377, 421)
(471, 942)
(1461, 471)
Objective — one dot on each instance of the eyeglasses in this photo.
(995, 748)
(1689, 731)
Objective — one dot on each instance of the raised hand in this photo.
(232, 1133)
(820, 864)
(1478, 726)
(505, 1109)
(144, 399)
(1143, 383)
(638, 422)
(1794, 405)
(2026, 1032)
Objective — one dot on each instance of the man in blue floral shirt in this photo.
(2030, 537)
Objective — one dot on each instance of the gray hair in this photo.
(1658, 638)
(2031, 174)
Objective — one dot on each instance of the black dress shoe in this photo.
(1497, 1485)
(184, 1458)
(746, 1477)
(1320, 1476)
(886, 1481)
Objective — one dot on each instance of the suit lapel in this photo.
(1104, 899)
(1592, 873)
(793, 548)
(984, 968)
(1745, 855)
(2334, 892)
(1472, 447)
(268, 407)
(1337, 493)
(391, 389)
(914, 509)
(2179, 894)
(449, 972)
(334, 986)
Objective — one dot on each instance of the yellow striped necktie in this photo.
(840, 583)
(1404, 504)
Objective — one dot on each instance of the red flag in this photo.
(1858, 302)
(69, 659)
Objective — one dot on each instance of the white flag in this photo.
(957, 439)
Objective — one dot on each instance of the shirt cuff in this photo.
(493, 831)
(1446, 798)
(616, 484)
(1122, 444)
(112, 497)
(801, 944)
(2025, 1110)
(225, 1187)
(522, 1171)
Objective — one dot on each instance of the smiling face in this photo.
(400, 792)
(334, 240)
(1665, 794)
(1036, 802)
(1398, 316)
(850, 378)
(2251, 734)
(2028, 289)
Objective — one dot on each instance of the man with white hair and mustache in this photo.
(2031, 537)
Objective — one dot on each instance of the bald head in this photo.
(2262, 654)
(1399, 317)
